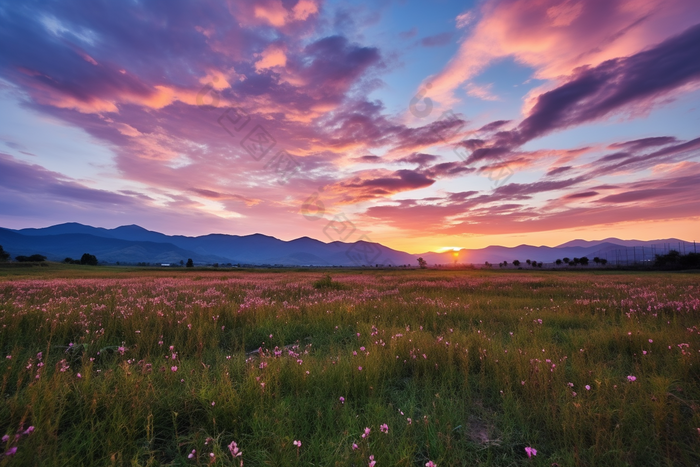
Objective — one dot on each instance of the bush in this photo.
(327, 282)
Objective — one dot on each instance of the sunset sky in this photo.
(420, 125)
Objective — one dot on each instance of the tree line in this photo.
(87, 258)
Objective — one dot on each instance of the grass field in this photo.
(127, 367)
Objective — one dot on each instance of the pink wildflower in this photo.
(173, 369)
(366, 433)
(233, 449)
(191, 455)
(530, 451)
(342, 400)
(354, 446)
(384, 428)
(372, 461)
(430, 464)
(631, 378)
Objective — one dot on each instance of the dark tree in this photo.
(31, 259)
(528, 261)
(90, 260)
(190, 263)
(596, 260)
(603, 261)
(422, 263)
(566, 260)
(584, 261)
(505, 263)
(516, 263)
(558, 262)
(4, 256)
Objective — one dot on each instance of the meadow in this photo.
(103, 366)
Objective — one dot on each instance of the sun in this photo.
(445, 249)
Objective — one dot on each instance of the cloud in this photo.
(33, 179)
(593, 93)
(419, 158)
(272, 56)
(437, 40)
(409, 34)
(644, 143)
(554, 37)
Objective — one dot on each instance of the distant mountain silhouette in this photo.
(133, 244)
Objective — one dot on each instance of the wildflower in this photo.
(79, 375)
(297, 443)
(5, 438)
(372, 461)
(384, 428)
(588, 388)
(430, 464)
(173, 369)
(213, 404)
(631, 378)
(211, 454)
(191, 455)
(409, 421)
(13, 450)
(359, 368)
(530, 451)
(366, 433)
(354, 446)
(342, 400)
(233, 449)
(573, 394)
(651, 341)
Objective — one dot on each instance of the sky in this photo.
(419, 125)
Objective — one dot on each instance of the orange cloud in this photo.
(271, 57)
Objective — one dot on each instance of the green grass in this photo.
(461, 353)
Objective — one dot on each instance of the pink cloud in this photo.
(554, 37)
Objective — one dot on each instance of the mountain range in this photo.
(134, 244)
